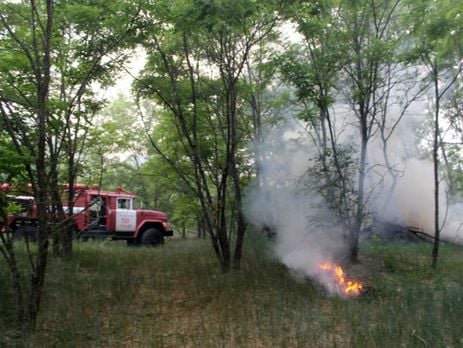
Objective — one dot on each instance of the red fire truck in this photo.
(98, 214)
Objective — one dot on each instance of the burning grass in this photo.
(338, 281)
(109, 295)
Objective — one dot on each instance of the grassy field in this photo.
(111, 295)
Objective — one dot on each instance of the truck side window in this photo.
(123, 203)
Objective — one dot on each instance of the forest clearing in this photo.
(111, 295)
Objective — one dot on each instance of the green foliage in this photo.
(11, 163)
(197, 59)
(313, 65)
(6, 207)
(436, 29)
(84, 34)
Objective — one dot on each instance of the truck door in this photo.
(126, 216)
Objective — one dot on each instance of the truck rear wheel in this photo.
(152, 236)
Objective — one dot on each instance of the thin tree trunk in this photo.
(241, 223)
(7, 251)
(41, 194)
(355, 231)
(435, 157)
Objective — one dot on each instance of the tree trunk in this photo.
(355, 231)
(435, 157)
(70, 225)
(241, 223)
(41, 189)
(7, 251)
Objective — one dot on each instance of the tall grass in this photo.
(111, 295)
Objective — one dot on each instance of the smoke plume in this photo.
(307, 233)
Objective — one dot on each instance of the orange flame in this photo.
(347, 287)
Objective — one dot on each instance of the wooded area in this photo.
(373, 85)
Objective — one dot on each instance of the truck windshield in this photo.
(22, 203)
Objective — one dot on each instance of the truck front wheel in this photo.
(152, 236)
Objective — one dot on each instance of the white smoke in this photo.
(413, 196)
(453, 224)
(307, 234)
(305, 230)
(411, 202)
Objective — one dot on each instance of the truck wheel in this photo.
(152, 236)
(22, 232)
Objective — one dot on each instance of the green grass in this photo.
(111, 295)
